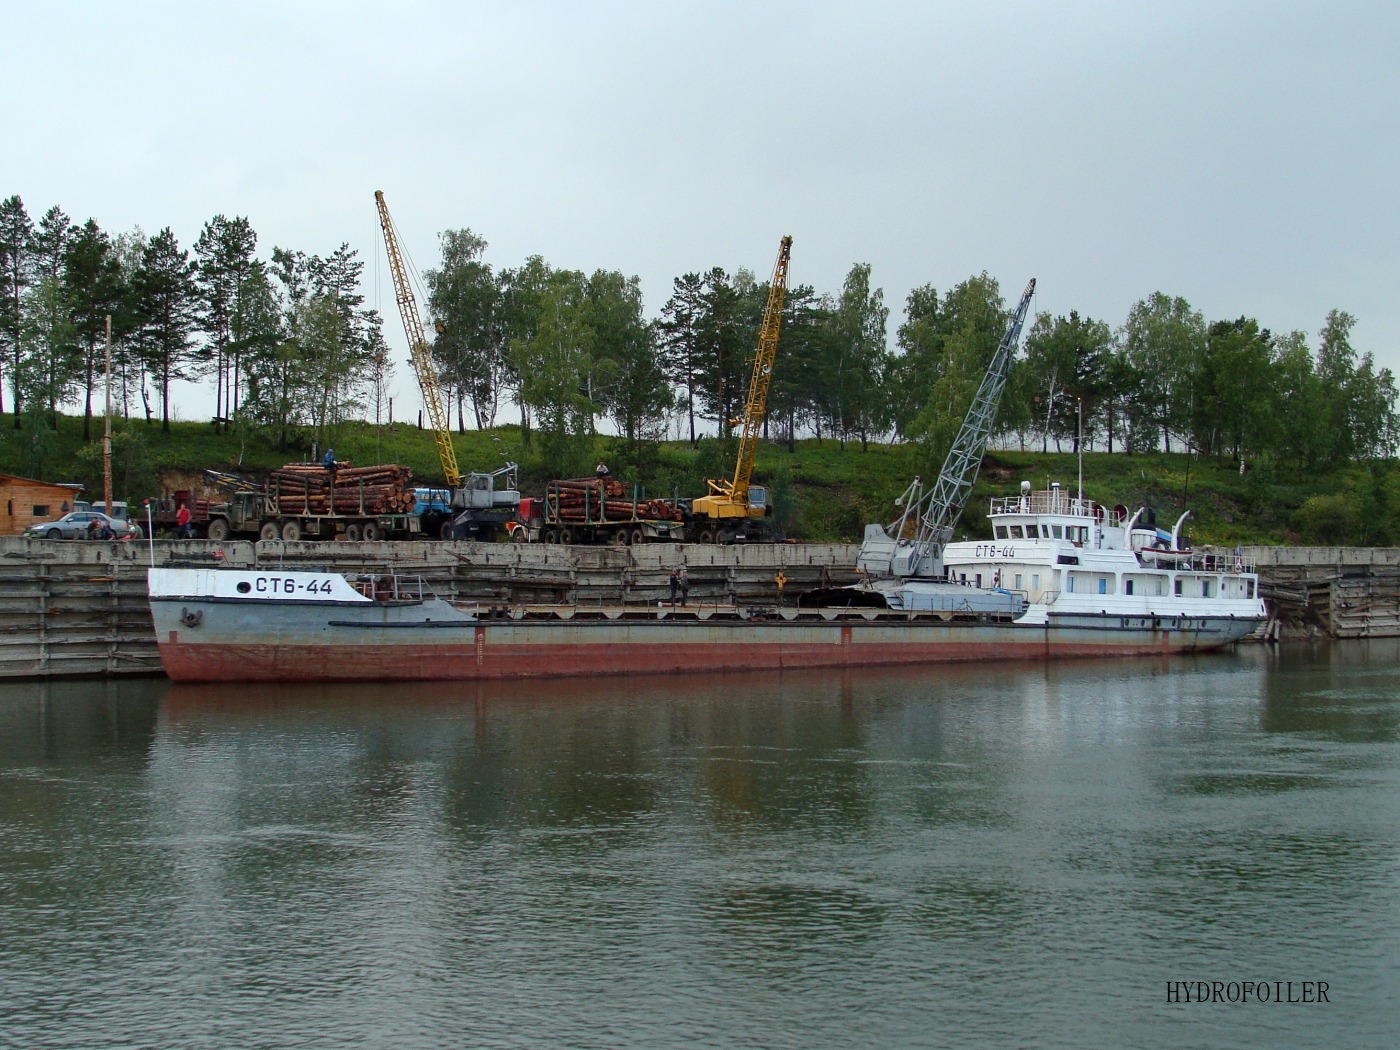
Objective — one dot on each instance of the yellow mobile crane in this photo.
(418, 347)
(725, 513)
(480, 509)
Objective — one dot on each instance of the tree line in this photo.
(286, 342)
(288, 346)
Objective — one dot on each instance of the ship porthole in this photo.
(244, 587)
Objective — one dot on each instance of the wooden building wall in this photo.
(24, 501)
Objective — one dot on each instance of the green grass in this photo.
(826, 493)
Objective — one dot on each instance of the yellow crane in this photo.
(721, 513)
(418, 348)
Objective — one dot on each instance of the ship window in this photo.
(962, 578)
(1018, 581)
(1127, 586)
(244, 587)
(977, 580)
(1103, 585)
(1069, 583)
(1176, 589)
(1249, 589)
(1035, 581)
(1045, 532)
(1057, 532)
(1205, 588)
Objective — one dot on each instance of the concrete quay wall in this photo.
(1332, 592)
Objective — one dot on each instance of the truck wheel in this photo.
(566, 536)
(352, 532)
(520, 535)
(218, 529)
(291, 531)
(706, 536)
(370, 531)
(638, 537)
(270, 532)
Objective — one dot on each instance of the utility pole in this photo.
(107, 432)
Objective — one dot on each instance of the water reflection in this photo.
(781, 860)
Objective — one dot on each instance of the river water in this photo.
(988, 856)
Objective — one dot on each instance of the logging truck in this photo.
(308, 501)
(595, 510)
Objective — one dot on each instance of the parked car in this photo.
(79, 525)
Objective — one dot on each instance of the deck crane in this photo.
(889, 552)
(482, 509)
(722, 514)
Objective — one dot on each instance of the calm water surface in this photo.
(1019, 856)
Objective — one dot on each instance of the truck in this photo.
(483, 506)
(594, 511)
(163, 510)
(303, 500)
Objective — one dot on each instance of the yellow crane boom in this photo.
(731, 498)
(418, 348)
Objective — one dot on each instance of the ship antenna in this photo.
(1079, 444)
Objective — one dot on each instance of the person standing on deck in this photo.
(183, 531)
(685, 585)
(675, 585)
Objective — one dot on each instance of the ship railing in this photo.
(390, 586)
(1224, 563)
(1052, 502)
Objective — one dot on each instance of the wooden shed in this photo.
(23, 501)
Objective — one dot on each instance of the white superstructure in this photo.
(1076, 562)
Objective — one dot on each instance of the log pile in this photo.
(595, 500)
(305, 488)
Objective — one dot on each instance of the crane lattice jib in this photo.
(944, 503)
(756, 407)
(418, 348)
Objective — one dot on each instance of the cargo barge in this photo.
(1062, 579)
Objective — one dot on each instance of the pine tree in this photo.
(16, 275)
(167, 310)
(224, 254)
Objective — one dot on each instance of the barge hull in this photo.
(226, 643)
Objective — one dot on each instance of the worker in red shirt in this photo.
(183, 531)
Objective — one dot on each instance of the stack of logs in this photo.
(305, 488)
(603, 499)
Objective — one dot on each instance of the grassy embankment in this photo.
(823, 492)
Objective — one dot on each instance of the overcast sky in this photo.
(1240, 155)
